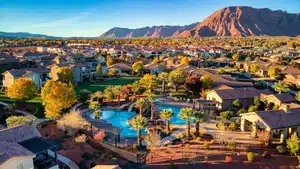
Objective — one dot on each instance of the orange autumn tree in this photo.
(23, 89)
(56, 97)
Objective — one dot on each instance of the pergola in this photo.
(40, 147)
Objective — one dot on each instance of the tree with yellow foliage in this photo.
(149, 82)
(23, 89)
(57, 96)
(65, 75)
(184, 60)
(207, 82)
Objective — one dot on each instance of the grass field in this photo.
(100, 86)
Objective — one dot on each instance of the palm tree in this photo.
(280, 87)
(118, 92)
(140, 104)
(97, 114)
(95, 105)
(200, 118)
(163, 77)
(167, 114)
(186, 114)
(138, 123)
(150, 97)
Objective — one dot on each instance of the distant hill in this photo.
(247, 21)
(147, 32)
(230, 21)
(20, 35)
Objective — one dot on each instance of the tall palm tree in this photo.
(187, 115)
(150, 97)
(167, 114)
(163, 77)
(200, 118)
(280, 87)
(118, 91)
(140, 104)
(138, 123)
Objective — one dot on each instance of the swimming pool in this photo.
(118, 119)
(176, 109)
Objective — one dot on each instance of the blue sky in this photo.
(94, 17)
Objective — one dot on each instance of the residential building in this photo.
(22, 147)
(37, 75)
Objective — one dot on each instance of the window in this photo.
(20, 166)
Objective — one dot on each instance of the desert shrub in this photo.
(198, 139)
(135, 147)
(172, 165)
(281, 149)
(293, 144)
(228, 160)
(92, 165)
(99, 136)
(14, 121)
(226, 115)
(221, 125)
(267, 155)
(206, 145)
(231, 145)
(232, 126)
(221, 71)
(241, 111)
(72, 122)
(250, 156)
(87, 156)
(212, 142)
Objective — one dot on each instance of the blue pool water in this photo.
(118, 119)
(175, 119)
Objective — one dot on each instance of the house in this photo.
(80, 71)
(121, 68)
(154, 68)
(22, 147)
(37, 75)
(277, 99)
(293, 79)
(281, 124)
(30, 55)
(225, 97)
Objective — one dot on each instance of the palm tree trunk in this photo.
(197, 129)
(168, 125)
(152, 112)
(188, 127)
(139, 136)
(141, 111)
(118, 99)
(163, 86)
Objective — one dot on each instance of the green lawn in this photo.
(100, 86)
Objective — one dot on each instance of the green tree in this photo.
(254, 68)
(199, 118)
(252, 108)
(65, 75)
(138, 67)
(149, 82)
(137, 89)
(83, 95)
(163, 77)
(248, 59)
(177, 77)
(236, 57)
(14, 121)
(23, 89)
(297, 97)
(109, 92)
(207, 82)
(274, 71)
(140, 105)
(225, 115)
(166, 114)
(237, 103)
(187, 115)
(138, 123)
(293, 144)
(280, 87)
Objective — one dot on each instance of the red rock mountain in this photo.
(230, 21)
(247, 21)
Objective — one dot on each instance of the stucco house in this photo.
(281, 124)
(121, 68)
(80, 71)
(277, 99)
(22, 147)
(154, 68)
(293, 79)
(225, 97)
(37, 75)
